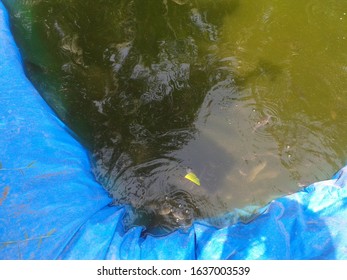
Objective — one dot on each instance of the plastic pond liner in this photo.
(51, 207)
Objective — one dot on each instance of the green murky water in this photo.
(250, 95)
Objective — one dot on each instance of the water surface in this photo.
(248, 95)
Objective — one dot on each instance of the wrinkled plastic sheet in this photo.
(51, 207)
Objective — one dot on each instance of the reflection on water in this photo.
(247, 95)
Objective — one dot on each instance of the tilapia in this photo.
(255, 171)
(262, 123)
(180, 2)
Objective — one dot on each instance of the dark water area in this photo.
(247, 98)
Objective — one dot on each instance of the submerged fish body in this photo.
(255, 171)
(262, 123)
(180, 2)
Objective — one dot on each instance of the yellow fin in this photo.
(193, 178)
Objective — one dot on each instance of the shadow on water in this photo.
(130, 80)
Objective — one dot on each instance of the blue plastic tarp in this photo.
(51, 207)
